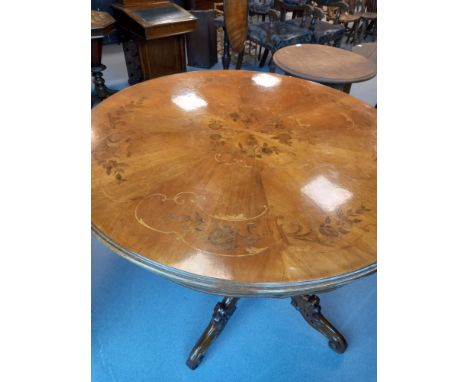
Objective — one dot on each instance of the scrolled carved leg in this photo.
(309, 307)
(222, 312)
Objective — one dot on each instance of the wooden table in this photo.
(327, 65)
(102, 24)
(367, 50)
(241, 184)
(153, 36)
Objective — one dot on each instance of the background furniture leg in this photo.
(100, 89)
(222, 312)
(264, 57)
(226, 54)
(240, 57)
(309, 307)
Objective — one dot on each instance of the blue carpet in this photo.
(144, 326)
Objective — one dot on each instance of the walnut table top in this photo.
(324, 64)
(237, 183)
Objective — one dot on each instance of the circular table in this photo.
(241, 184)
(327, 65)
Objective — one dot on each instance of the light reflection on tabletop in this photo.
(189, 101)
(266, 80)
(328, 195)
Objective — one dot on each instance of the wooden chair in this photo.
(294, 6)
(275, 34)
(368, 12)
(234, 22)
(323, 32)
(343, 13)
(260, 7)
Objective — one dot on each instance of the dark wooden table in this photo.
(102, 24)
(327, 65)
(241, 184)
(153, 35)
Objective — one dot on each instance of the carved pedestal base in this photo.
(308, 306)
(101, 91)
(222, 312)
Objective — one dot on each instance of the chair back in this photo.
(236, 23)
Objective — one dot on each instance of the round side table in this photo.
(324, 64)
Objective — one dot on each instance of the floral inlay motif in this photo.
(115, 145)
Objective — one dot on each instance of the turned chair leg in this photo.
(240, 58)
(222, 312)
(264, 57)
(226, 54)
(309, 307)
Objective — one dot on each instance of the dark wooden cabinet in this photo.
(201, 43)
(153, 37)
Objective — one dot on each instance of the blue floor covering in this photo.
(144, 326)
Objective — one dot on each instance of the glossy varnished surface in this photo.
(236, 21)
(237, 182)
(324, 64)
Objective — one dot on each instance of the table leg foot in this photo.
(309, 307)
(222, 312)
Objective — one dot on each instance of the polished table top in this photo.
(367, 50)
(324, 64)
(237, 183)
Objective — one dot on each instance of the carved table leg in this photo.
(222, 312)
(309, 307)
(100, 89)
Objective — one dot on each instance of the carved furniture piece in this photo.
(153, 35)
(343, 12)
(102, 24)
(368, 12)
(241, 184)
(234, 23)
(322, 32)
(327, 65)
(276, 34)
(260, 7)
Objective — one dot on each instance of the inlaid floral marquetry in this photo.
(237, 182)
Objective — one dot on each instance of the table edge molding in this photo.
(217, 286)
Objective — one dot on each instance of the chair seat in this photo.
(323, 32)
(259, 8)
(278, 34)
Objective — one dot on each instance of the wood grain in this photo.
(237, 183)
(236, 21)
(324, 64)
